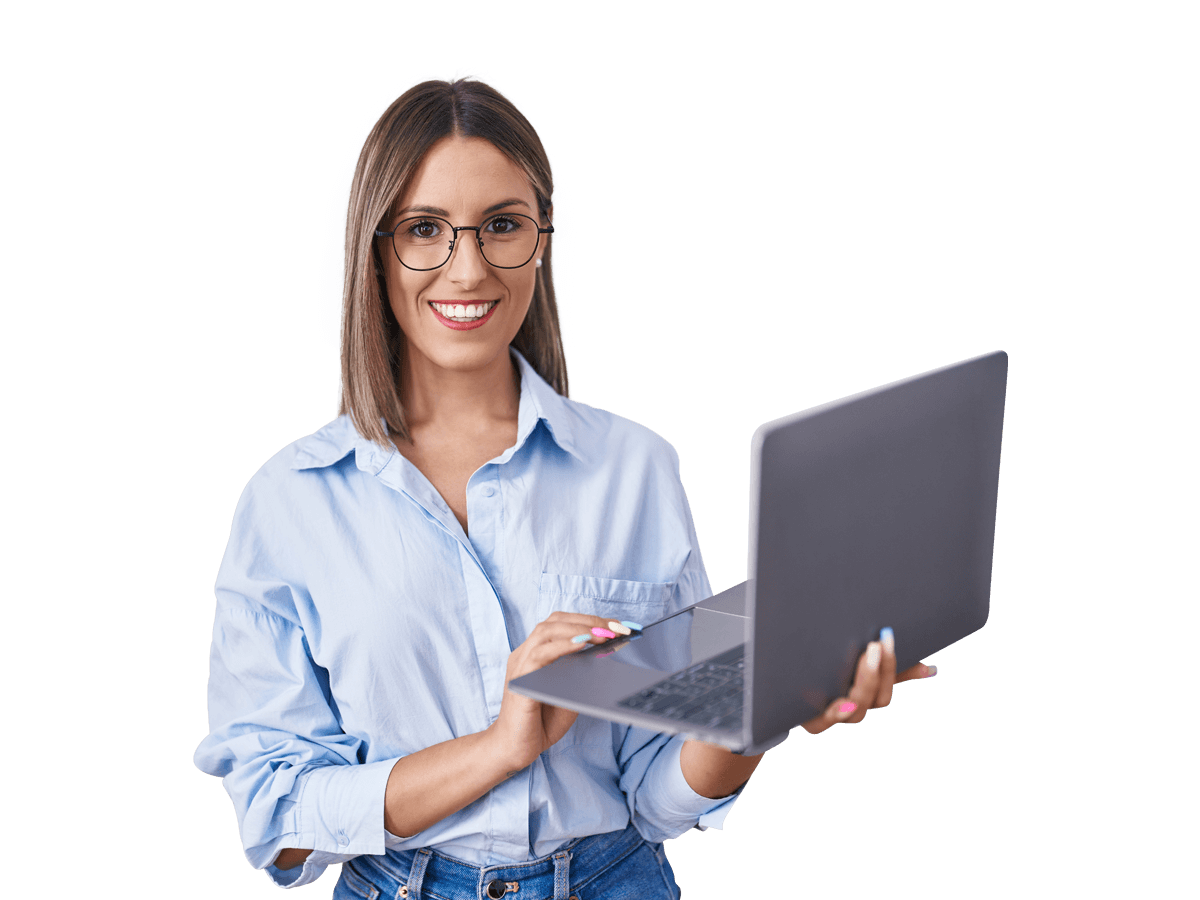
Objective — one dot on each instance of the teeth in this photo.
(457, 312)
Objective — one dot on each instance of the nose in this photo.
(466, 267)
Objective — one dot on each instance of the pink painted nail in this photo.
(930, 671)
(602, 632)
(844, 709)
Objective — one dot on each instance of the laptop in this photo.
(871, 511)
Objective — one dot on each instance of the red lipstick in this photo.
(463, 326)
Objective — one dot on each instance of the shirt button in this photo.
(489, 491)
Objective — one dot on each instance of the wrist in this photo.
(507, 754)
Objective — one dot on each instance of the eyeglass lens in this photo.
(507, 241)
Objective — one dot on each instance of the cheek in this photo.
(403, 290)
(521, 288)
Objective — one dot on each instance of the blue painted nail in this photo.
(634, 625)
(888, 638)
(580, 638)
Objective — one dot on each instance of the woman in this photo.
(460, 524)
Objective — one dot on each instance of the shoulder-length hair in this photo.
(372, 344)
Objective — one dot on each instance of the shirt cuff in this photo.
(715, 817)
(669, 792)
(339, 814)
(316, 863)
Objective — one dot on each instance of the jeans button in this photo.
(496, 889)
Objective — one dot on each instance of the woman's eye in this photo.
(504, 225)
(424, 229)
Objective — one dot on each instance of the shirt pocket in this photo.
(613, 598)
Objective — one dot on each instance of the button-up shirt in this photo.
(358, 623)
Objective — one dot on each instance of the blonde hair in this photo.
(372, 344)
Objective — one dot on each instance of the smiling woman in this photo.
(460, 524)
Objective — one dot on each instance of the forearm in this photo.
(713, 771)
(431, 784)
(428, 786)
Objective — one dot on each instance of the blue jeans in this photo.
(620, 865)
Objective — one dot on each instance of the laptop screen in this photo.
(688, 637)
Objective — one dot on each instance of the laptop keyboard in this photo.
(708, 693)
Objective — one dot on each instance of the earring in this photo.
(538, 263)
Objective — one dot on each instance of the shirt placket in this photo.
(486, 614)
(508, 801)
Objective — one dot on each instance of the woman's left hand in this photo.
(873, 681)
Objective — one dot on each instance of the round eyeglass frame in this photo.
(455, 229)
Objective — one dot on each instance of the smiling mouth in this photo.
(463, 312)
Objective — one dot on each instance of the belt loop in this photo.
(416, 875)
(562, 875)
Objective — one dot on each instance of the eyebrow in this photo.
(438, 211)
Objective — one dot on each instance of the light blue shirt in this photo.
(356, 623)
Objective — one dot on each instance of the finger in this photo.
(839, 710)
(887, 668)
(578, 634)
(614, 626)
(600, 628)
(866, 682)
(920, 670)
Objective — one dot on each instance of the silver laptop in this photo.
(872, 511)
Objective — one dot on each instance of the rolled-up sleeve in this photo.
(662, 805)
(293, 775)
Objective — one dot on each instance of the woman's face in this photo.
(464, 181)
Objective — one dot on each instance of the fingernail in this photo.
(602, 632)
(930, 671)
(845, 709)
(619, 628)
(874, 655)
(634, 625)
(888, 638)
(580, 638)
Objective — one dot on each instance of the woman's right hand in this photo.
(525, 728)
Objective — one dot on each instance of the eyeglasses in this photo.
(507, 240)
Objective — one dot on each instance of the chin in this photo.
(468, 358)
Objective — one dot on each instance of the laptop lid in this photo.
(875, 510)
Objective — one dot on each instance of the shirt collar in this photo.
(538, 403)
(541, 403)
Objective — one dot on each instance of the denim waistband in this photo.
(428, 875)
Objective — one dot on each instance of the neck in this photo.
(458, 400)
